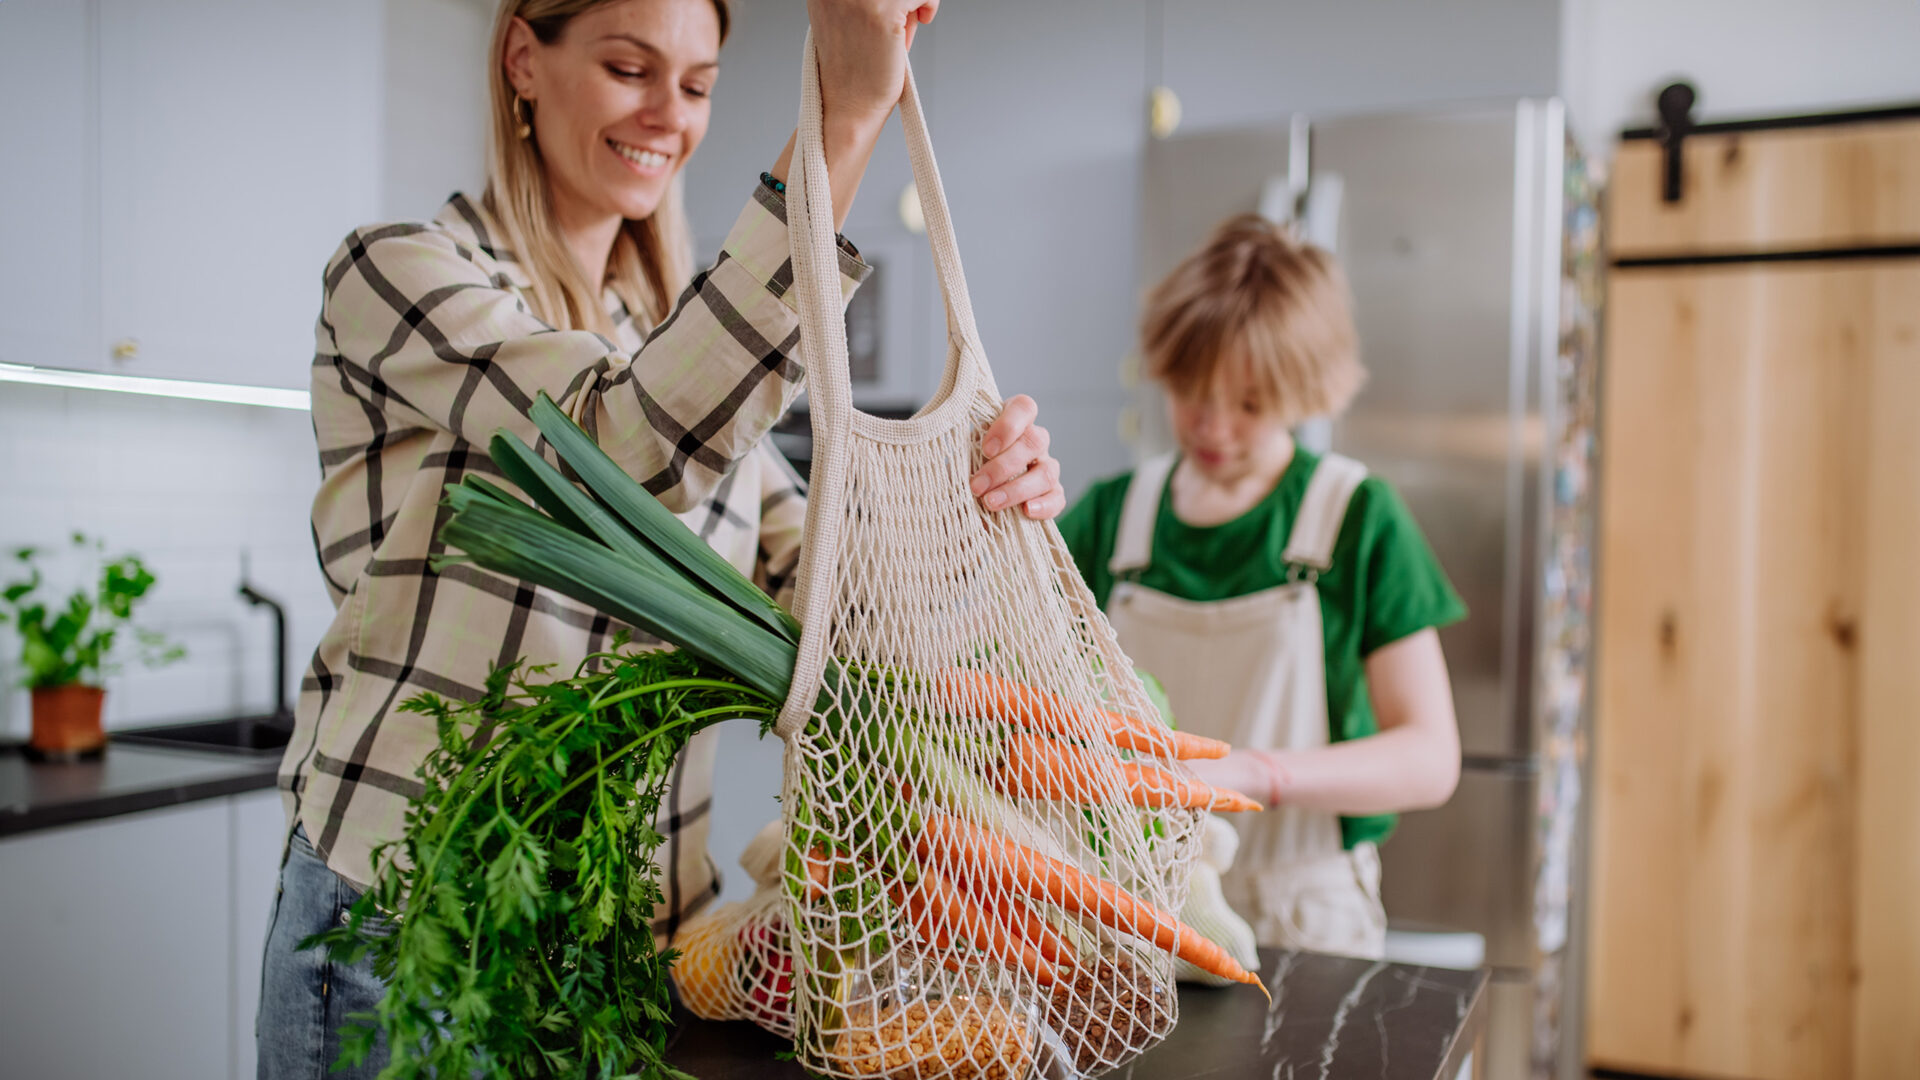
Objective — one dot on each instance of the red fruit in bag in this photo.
(768, 972)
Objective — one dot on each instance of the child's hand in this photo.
(1260, 775)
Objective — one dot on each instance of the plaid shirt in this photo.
(426, 347)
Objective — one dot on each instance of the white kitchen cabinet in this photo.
(116, 954)
(48, 233)
(239, 141)
(259, 828)
(131, 946)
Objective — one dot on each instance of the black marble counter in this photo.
(126, 780)
(1331, 1017)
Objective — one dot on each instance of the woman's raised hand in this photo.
(863, 54)
(862, 46)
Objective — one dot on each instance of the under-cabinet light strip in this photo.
(233, 393)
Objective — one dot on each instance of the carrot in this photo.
(1041, 768)
(1024, 706)
(823, 865)
(999, 862)
(941, 913)
(819, 878)
(1021, 919)
(1188, 746)
(927, 927)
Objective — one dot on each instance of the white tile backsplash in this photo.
(189, 486)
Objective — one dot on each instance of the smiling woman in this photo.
(596, 107)
(569, 276)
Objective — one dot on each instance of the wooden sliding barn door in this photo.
(1756, 906)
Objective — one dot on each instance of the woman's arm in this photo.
(783, 523)
(1412, 763)
(862, 45)
(417, 332)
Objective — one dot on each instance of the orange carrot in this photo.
(1015, 914)
(821, 862)
(1188, 746)
(1026, 707)
(927, 927)
(996, 862)
(1153, 787)
(941, 912)
(1041, 768)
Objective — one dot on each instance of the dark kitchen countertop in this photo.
(1331, 1017)
(126, 780)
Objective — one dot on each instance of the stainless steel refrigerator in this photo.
(1470, 236)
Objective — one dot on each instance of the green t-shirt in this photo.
(1384, 585)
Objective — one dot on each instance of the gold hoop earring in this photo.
(524, 119)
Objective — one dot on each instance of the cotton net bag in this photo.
(986, 826)
(734, 961)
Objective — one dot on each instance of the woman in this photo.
(560, 279)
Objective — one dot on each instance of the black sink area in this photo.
(261, 736)
(240, 735)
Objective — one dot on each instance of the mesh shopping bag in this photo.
(987, 826)
(734, 961)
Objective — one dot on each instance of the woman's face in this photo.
(1224, 430)
(619, 100)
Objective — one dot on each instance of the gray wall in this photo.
(1037, 109)
(1037, 112)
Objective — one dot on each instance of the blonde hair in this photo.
(652, 258)
(1255, 294)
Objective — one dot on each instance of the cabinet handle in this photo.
(126, 349)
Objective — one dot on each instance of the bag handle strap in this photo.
(823, 345)
(816, 267)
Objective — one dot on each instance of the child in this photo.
(1287, 600)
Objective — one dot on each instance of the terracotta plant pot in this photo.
(66, 722)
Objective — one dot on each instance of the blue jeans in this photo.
(305, 998)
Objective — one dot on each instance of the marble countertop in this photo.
(1331, 1017)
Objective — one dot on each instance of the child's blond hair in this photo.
(1255, 295)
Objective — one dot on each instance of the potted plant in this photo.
(67, 651)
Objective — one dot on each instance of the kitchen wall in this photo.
(436, 92)
(1746, 59)
(192, 485)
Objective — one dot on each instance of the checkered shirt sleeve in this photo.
(426, 347)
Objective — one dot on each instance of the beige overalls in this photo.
(1251, 670)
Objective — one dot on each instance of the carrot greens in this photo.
(525, 881)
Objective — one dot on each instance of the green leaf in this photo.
(1158, 695)
(528, 885)
(654, 522)
(568, 505)
(77, 644)
(523, 544)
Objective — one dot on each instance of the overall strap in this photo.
(1133, 546)
(1334, 481)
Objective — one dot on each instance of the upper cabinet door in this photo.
(240, 141)
(48, 239)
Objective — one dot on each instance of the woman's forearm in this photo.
(849, 147)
